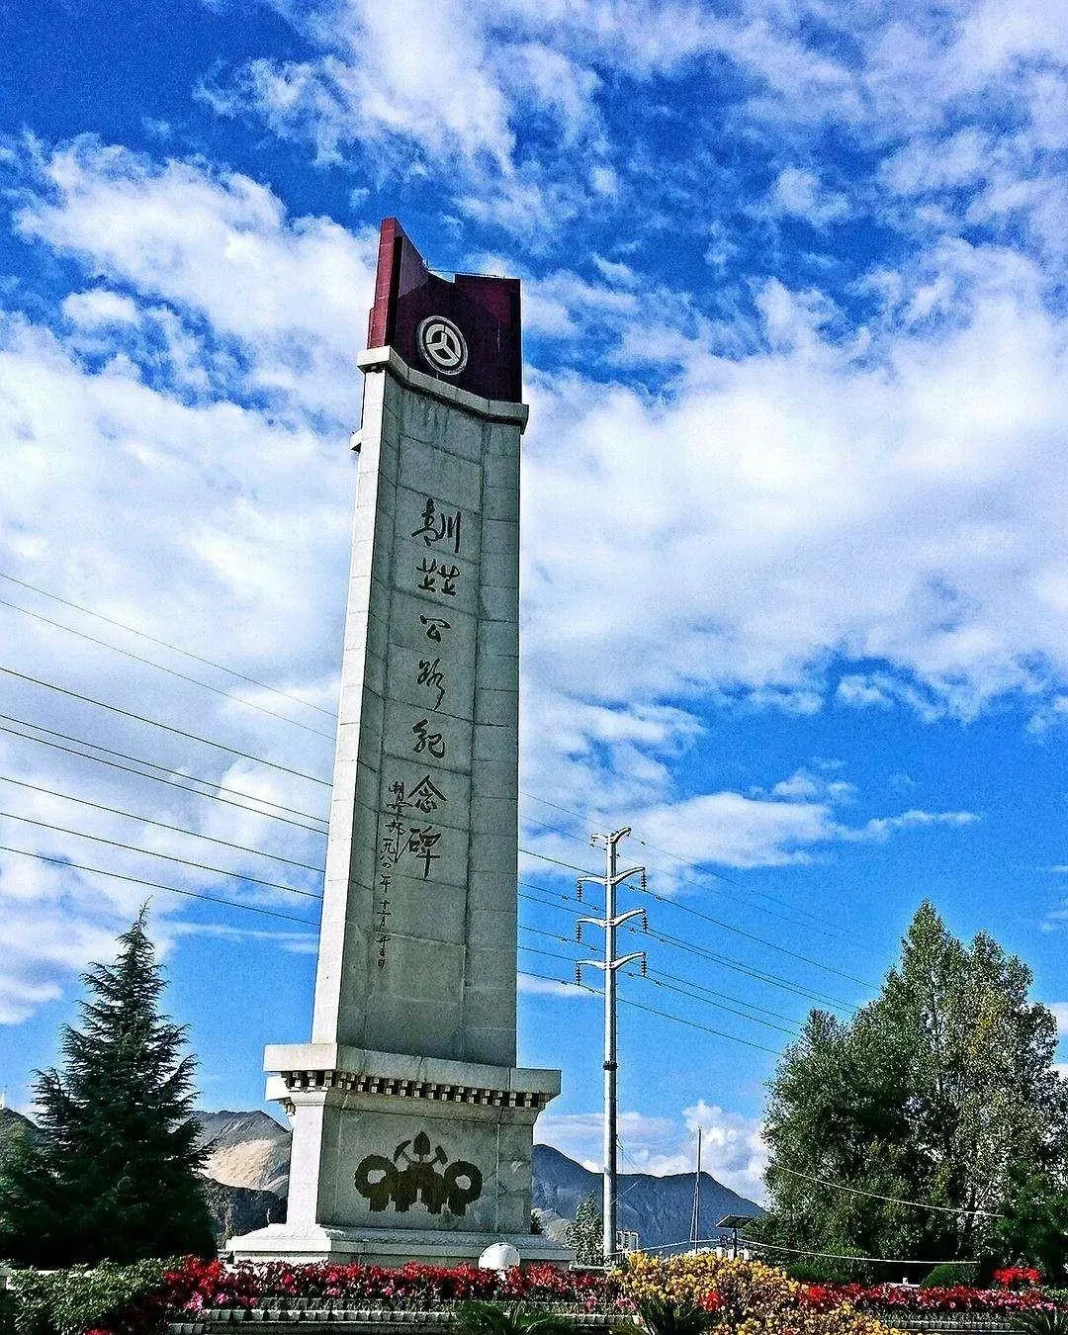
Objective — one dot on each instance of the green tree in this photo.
(585, 1233)
(113, 1173)
(1035, 1227)
(941, 1091)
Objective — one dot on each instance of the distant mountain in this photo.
(249, 1162)
(247, 1181)
(237, 1210)
(658, 1209)
(13, 1126)
(246, 1149)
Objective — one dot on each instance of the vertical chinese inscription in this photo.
(412, 837)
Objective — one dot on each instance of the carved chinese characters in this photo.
(431, 707)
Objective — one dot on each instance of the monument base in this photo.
(388, 1247)
(399, 1158)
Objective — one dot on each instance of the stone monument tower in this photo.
(412, 1126)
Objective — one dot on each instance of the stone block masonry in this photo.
(412, 1127)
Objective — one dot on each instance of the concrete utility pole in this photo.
(695, 1217)
(610, 966)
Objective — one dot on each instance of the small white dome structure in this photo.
(499, 1256)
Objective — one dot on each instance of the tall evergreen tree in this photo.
(113, 1174)
(941, 1091)
(585, 1233)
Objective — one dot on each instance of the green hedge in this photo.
(71, 1302)
(949, 1276)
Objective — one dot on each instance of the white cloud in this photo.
(122, 465)
(532, 986)
(805, 785)
(219, 248)
(1060, 1014)
(773, 510)
(731, 830)
(99, 306)
(799, 193)
(881, 827)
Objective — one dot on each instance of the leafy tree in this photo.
(1035, 1227)
(113, 1174)
(586, 1233)
(941, 1091)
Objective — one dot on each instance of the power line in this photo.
(220, 788)
(166, 727)
(727, 880)
(751, 971)
(692, 1024)
(725, 961)
(893, 1200)
(836, 1256)
(672, 943)
(175, 648)
(154, 885)
(160, 667)
(654, 974)
(564, 982)
(331, 714)
(149, 853)
(716, 922)
(673, 875)
(750, 936)
(658, 980)
(296, 699)
(637, 1005)
(159, 824)
(544, 857)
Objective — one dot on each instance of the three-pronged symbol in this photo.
(442, 345)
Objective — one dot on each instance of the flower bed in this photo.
(196, 1285)
(893, 1298)
(749, 1297)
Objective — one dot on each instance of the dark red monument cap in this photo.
(463, 330)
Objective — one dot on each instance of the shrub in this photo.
(124, 1300)
(948, 1276)
(685, 1318)
(1017, 1277)
(835, 1270)
(513, 1319)
(1042, 1321)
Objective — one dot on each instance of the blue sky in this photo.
(795, 592)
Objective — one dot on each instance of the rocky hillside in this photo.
(249, 1162)
(247, 1171)
(658, 1209)
(246, 1149)
(13, 1126)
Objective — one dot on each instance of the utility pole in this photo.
(610, 966)
(695, 1218)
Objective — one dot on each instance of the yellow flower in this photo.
(755, 1298)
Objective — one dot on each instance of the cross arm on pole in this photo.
(626, 875)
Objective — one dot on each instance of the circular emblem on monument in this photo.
(442, 345)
